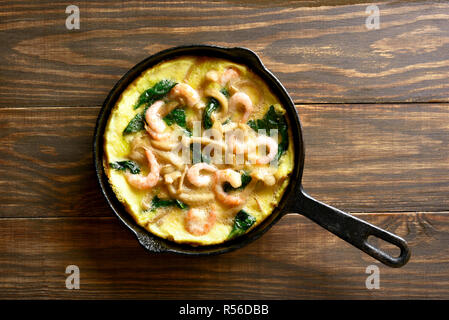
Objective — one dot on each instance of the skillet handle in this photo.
(353, 230)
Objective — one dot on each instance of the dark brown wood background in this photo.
(375, 110)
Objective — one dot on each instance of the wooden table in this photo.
(373, 103)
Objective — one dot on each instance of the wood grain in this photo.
(47, 167)
(375, 158)
(383, 156)
(296, 259)
(360, 158)
(322, 53)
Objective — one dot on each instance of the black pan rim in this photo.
(241, 55)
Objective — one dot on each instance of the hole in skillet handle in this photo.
(351, 229)
(385, 246)
(381, 255)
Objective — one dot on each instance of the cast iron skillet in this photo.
(345, 226)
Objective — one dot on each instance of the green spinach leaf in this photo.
(181, 205)
(225, 92)
(136, 124)
(177, 116)
(242, 222)
(226, 121)
(211, 106)
(126, 165)
(273, 120)
(188, 132)
(156, 92)
(246, 179)
(158, 203)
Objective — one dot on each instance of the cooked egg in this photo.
(175, 199)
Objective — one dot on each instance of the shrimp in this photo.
(199, 222)
(229, 75)
(234, 178)
(146, 182)
(194, 174)
(153, 117)
(156, 135)
(269, 142)
(155, 125)
(186, 94)
(241, 99)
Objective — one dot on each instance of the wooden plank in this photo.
(47, 167)
(296, 259)
(321, 54)
(382, 157)
(360, 158)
